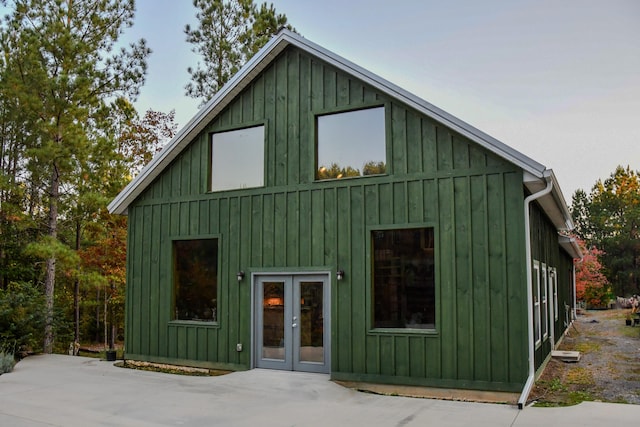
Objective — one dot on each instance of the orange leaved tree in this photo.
(592, 286)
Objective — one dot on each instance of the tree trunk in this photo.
(50, 277)
(76, 297)
(112, 318)
(98, 314)
(105, 320)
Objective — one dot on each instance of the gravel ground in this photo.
(609, 368)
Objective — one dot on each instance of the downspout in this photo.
(527, 238)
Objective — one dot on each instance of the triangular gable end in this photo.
(534, 171)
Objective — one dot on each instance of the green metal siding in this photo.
(436, 177)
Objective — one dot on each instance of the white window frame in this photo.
(536, 303)
(544, 309)
(553, 277)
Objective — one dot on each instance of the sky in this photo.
(558, 81)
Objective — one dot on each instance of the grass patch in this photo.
(579, 396)
(629, 331)
(580, 376)
(555, 385)
(171, 369)
(587, 346)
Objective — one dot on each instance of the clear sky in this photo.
(557, 80)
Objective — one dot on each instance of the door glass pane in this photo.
(311, 322)
(273, 321)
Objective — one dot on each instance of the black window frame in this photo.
(342, 111)
(428, 323)
(214, 316)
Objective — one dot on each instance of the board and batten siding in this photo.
(546, 250)
(436, 177)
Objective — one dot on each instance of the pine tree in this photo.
(229, 33)
(61, 68)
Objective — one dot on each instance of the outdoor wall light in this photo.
(240, 276)
(340, 274)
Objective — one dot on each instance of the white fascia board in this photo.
(256, 64)
(554, 203)
(570, 245)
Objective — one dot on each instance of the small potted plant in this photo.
(111, 355)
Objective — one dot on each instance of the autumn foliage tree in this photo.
(103, 265)
(609, 218)
(592, 286)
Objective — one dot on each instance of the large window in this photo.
(237, 159)
(195, 280)
(351, 144)
(404, 278)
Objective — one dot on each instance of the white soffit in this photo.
(570, 245)
(553, 203)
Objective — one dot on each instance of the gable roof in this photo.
(536, 173)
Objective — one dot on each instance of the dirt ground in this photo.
(609, 368)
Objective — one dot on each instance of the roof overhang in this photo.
(570, 246)
(553, 204)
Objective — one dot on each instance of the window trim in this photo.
(171, 274)
(233, 128)
(553, 273)
(386, 106)
(369, 297)
(544, 308)
(536, 303)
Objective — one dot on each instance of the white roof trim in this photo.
(553, 203)
(570, 245)
(256, 65)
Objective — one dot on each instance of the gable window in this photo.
(195, 280)
(404, 278)
(351, 144)
(237, 159)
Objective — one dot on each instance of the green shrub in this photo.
(22, 316)
(7, 362)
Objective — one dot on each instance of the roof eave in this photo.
(553, 204)
(570, 245)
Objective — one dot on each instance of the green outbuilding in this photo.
(315, 217)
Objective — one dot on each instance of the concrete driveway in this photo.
(57, 390)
